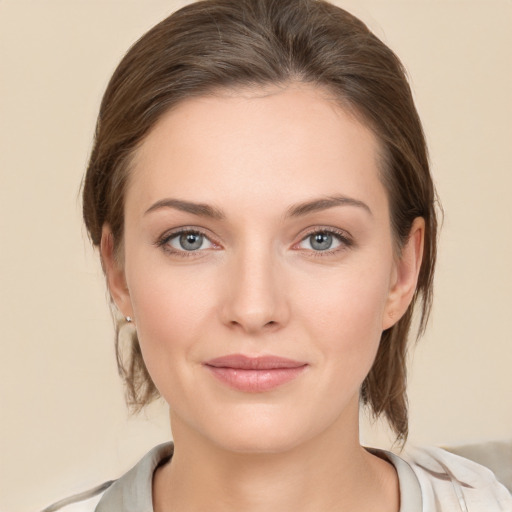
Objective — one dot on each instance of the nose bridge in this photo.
(256, 297)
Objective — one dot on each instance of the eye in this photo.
(324, 241)
(186, 241)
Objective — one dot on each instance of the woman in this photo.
(260, 193)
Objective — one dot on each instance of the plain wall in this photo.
(63, 423)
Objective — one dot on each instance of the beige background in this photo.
(63, 425)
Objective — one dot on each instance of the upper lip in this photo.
(243, 362)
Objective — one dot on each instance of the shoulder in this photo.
(455, 483)
(129, 493)
(83, 502)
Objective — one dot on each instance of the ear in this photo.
(405, 275)
(114, 271)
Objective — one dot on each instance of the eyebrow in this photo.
(200, 209)
(325, 203)
(298, 210)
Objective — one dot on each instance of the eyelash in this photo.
(346, 241)
(164, 240)
(343, 237)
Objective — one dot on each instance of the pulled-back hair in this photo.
(215, 44)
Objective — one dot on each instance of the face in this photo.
(259, 265)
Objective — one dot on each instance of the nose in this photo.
(255, 298)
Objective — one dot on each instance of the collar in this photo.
(133, 491)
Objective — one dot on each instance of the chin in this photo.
(260, 431)
(259, 442)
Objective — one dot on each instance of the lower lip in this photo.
(255, 381)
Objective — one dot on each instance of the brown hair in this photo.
(213, 44)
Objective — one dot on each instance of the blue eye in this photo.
(188, 241)
(321, 241)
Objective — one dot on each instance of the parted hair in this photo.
(215, 44)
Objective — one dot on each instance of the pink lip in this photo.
(254, 374)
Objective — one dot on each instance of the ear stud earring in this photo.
(128, 319)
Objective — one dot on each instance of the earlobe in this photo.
(406, 275)
(114, 272)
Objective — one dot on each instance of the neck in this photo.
(329, 472)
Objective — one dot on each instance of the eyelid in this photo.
(346, 240)
(162, 241)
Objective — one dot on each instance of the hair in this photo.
(215, 44)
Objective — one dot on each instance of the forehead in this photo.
(294, 140)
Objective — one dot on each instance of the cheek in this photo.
(168, 298)
(344, 314)
(353, 300)
(171, 309)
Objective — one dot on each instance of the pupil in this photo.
(321, 241)
(191, 241)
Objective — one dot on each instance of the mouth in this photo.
(254, 374)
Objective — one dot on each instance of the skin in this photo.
(258, 286)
